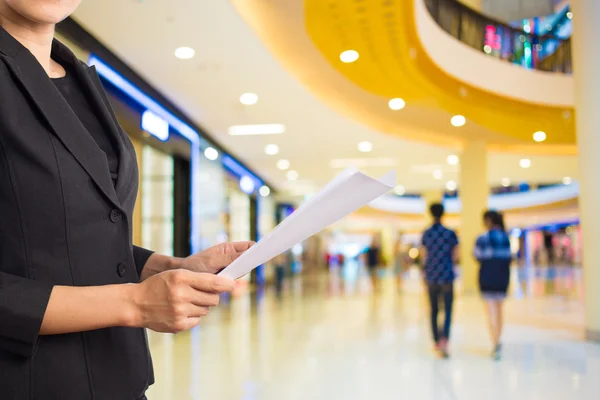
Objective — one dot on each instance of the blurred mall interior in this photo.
(241, 110)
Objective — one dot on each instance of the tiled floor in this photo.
(329, 337)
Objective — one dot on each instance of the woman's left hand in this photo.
(211, 260)
(214, 259)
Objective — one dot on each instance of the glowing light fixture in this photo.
(400, 190)
(185, 53)
(365, 147)
(292, 175)
(567, 180)
(265, 129)
(438, 174)
(271, 149)
(525, 163)
(487, 49)
(458, 120)
(397, 104)
(247, 184)
(451, 186)
(283, 164)
(211, 153)
(570, 15)
(453, 159)
(264, 191)
(539, 136)
(349, 56)
(505, 182)
(249, 99)
(155, 125)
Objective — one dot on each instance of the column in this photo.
(473, 194)
(586, 61)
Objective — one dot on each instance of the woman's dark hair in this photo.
(496, 218)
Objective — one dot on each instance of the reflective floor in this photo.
(330, 336)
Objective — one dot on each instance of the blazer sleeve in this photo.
(140, 257)
(23, 304)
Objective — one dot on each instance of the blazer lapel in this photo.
(89, 78)
(62, 119)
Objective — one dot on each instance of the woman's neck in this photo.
(36, 37)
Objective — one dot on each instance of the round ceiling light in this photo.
(349, 56)
(453, 159)
(249, 99)
(438, 174)
(365, 147)
(292, 175)
(525, 163)
(400, 190)
(397, 104)
(247, 184)
(567, 180)
(271, 149)
(451, 186)
(185, 53)
(505, 182)
(539, 136)
(283, 164)
(458, 120)
(211, 153)
(264, 191)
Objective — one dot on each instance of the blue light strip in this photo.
(196, 141)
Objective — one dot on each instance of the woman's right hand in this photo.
(176, 300)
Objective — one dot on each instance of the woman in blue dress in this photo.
(492, 250)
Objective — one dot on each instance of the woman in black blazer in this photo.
(74, 292)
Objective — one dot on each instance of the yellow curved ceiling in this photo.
(392, 63)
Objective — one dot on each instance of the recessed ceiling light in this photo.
(266, 129)
(451, 186)
(283, 164)
(438, 174)
(249, 99)
(292, 175)
(349, 56)
(271, 149)
(185, 53)
(264, 191)
(453, 159)
(211, 153)
(458, 120)
(397, 104)
(539, 136)
(247, 184)
(400, 190)
(567, 180)
(505, 182)
(365, 147)
(525, 163)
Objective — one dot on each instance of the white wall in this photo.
(477, 69)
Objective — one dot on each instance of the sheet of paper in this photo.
(346, 193)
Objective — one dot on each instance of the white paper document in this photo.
(346, 193)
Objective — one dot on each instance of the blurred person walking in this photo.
(374, 261)
(492, 250)
(75, 294)
(440, 251)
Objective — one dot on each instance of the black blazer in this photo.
(62, 222)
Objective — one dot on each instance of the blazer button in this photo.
(116, 215)
(121, 269)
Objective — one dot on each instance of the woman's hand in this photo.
(211, 260)
(175, 301)
(214, 259)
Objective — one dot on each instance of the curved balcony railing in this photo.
(540, 52)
